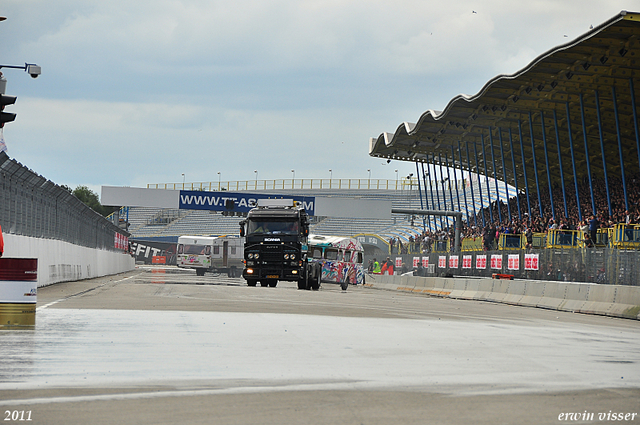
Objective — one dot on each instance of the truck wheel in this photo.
(264, 284)
(272, 283)
(200, 272)
(252, 282)
(302, 284)
(315, 283)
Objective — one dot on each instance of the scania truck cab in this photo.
(276, 245)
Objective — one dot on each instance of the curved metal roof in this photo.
(553, 101)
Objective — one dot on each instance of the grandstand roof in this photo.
(561, 86)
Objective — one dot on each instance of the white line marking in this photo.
(83, 292)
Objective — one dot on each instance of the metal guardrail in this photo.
(593, 265)
(31, 205)
(305, 184)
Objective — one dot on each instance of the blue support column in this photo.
(515, 174)
(604, 159)
(524, 168)
(475, 151)
(433, 157)
(504, 173)
(573, 162)
(446, 158)
(624, 182)
(535, 165)
(464, 187)
(444, 192)
(473, 197)
(546, 159)
(564, 193)
(455, 176)
(495, 176)
(420, 192)
(486, 177)
(426, 197)
(635, 117)
(586, 154)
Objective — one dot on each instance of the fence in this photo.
(411, 184)
(594, 265)
(31, 205)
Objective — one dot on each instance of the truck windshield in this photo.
(255, 227)
(194, 249)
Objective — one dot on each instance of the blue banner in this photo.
(235, 202)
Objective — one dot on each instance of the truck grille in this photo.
(271, 256)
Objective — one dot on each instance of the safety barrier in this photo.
(626, 236)
(511, 242)
(557, 238)
(471, 244)
(608, 300)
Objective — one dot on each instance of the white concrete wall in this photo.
(61, 261)
(590, 298)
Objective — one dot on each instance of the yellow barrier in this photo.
(440, 246)
(508, 241)
(626, 236)
(471, 244)
(560, 238)
(603, 236)
(539, 240)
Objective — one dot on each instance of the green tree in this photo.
(90, 199)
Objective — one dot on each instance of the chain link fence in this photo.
(592, 265)
(31, 205)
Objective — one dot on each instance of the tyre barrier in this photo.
(587, 298)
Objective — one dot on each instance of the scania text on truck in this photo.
(276, 245)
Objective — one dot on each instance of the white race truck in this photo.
(223, 254)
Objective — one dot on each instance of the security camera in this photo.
(34, 70)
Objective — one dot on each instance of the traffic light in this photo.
(6, 116)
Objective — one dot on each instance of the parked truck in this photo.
(276, 245)
(210, 254)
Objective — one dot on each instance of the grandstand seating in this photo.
(196, 222)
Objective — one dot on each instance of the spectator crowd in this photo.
(488, 226)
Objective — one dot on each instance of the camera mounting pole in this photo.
(31, 68)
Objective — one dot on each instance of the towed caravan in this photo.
(341, 259)
(211, 254)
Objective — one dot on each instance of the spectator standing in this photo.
(593, 228)
(376, 267)
(1, 243)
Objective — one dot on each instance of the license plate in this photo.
(273, 276)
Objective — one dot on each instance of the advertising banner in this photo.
(234, 201)
(531, 262)
(513, 262)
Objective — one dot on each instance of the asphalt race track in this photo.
(161, 346)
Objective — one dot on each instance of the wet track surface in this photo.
(166, 334)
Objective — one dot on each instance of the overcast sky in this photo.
(137, 92)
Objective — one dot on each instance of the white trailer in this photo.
(223, 254)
